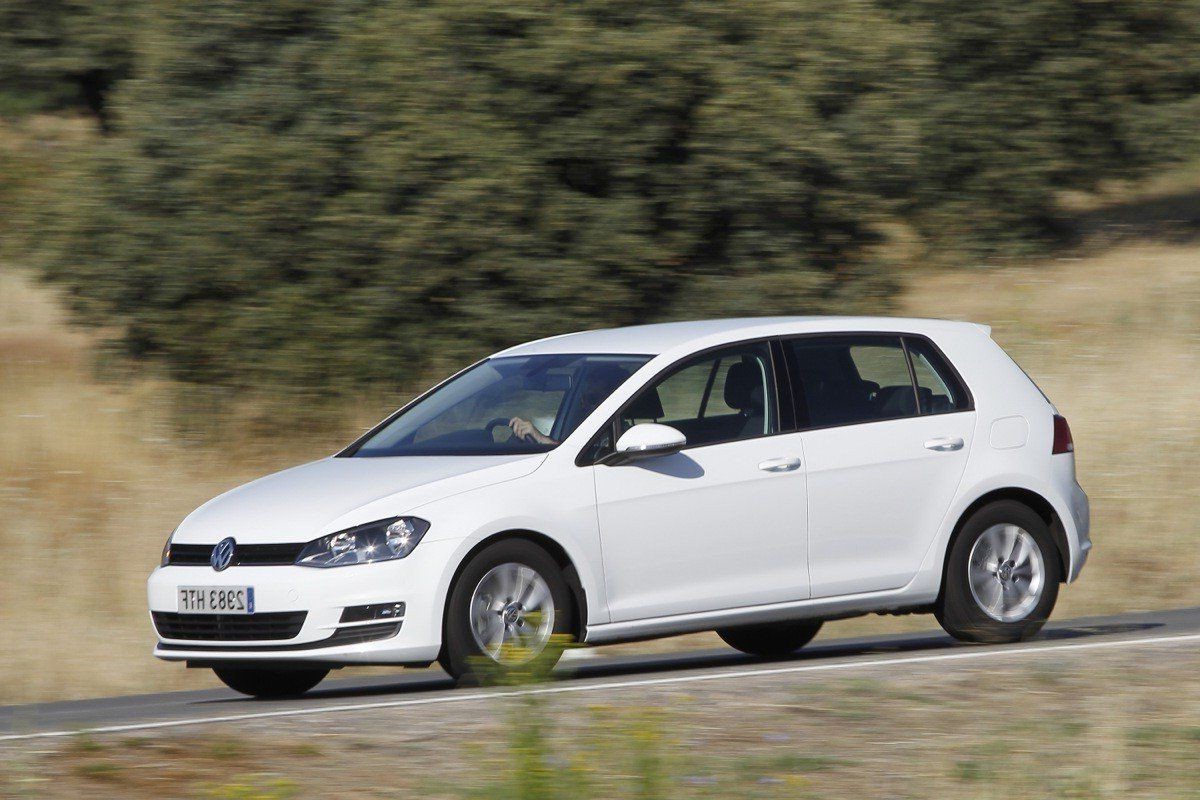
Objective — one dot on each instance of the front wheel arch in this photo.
(556, 551)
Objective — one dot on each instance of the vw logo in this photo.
(222, 554)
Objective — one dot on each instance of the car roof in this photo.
(665, 337)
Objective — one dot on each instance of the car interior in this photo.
(595, 384)
(742, 414)
(836, 393)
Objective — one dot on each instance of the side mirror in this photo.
(646, 441)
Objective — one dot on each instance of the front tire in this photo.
(771, 640)
(1002, 576)
(270, 684)
(506, 612)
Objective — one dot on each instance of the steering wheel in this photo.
(490, 428)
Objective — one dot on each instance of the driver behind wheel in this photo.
(524, 429)
(600, 383)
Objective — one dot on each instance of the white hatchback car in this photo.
(752, 476)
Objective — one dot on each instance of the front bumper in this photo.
(323, 594)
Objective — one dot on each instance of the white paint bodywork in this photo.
(703, 530)
(691, 541)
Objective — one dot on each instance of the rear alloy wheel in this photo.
(771, 640)
(270, 684)
(506, 606)
(1002, 576)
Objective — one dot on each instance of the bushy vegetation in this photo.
(63, 53)
(331, 195)
(1029, 98)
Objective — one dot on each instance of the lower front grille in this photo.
(362, 633)
(342, 636)
(274, 626)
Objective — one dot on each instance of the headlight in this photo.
(166, 553)
(384, 540)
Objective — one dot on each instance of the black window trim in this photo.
(708, 387)
(912, 376)
(955, 375)
(795, 389)
(798, 389)
(789, 421)
(582, 460)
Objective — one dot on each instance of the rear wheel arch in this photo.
(1026, 497)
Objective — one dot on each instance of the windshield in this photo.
(504, 406)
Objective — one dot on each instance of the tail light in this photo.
(1063, 443)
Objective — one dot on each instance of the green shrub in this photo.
(64, 53)
(1029, 98)
(325, 195)
(338, 194)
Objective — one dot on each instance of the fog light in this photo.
(374, 612)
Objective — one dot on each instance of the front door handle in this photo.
(780, 464)
(945, 444)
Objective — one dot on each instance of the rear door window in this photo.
(844, 380)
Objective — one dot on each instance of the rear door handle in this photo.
(945, 444)
(780, 464)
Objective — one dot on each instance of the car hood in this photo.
(302, 503)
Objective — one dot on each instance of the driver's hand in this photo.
(523, 429)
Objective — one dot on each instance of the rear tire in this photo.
(1002, 576)
(481, 588)
(270, 684)
(771, 640)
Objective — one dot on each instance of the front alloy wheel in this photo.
(506, 608)
(512, 614)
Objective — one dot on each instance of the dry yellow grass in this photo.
(1114, 340)
(94, 475)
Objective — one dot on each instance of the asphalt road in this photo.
(1157, 629)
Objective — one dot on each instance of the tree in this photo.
(334, 194)
(1030, 98)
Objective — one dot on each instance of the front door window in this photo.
(723, 396)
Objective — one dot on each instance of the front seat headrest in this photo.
(743, 386)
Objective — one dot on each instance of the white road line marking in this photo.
(963, 655)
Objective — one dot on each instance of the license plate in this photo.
(216, 599)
